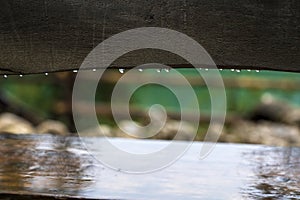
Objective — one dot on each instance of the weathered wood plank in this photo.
(57, 167)
(42, 36)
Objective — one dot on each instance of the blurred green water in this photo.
(42, 96)
(239, 100)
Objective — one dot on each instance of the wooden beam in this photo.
(44, 36)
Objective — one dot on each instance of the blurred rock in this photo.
(215, 133)
(268, 133)
(10, 123)
(127, 126)
(53, 127)
(131, 129)
(272, 109)
(170, 131)
(101, 130)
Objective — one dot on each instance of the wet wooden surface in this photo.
(49, 167)
(43, 36)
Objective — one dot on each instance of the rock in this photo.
(275, 110)
(101, 130)
(168, 132)
(215, 133)
(128, 129)
(53, 127)
(171, 129)
(10, 123)
(268, 133)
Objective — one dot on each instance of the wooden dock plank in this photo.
(44, 36)
(40, 166)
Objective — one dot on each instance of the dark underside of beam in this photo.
(43, 36)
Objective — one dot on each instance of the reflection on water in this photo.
(277, 173)
(61, 166)
(44, 164)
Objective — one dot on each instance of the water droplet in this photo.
(167, 70)
(94, 70)
(140, 70)
(232, 70)
(75, 71)
(46, 74)
(221, 69)
(238, 71)
(21, 75)
(257, 70)
(5, 76)
(158, 70)
(206, 69)
(121, 71)
(248, 70)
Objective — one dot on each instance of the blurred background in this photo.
(263, 107)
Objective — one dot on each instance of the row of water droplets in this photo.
(122, 71)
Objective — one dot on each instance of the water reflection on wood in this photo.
(276, 171)
(40, 166)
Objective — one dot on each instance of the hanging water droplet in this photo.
(238, 71)
(206, 69)
(248, 70)
(232, 70)
(75, 71)
(46, 74)
(21, 75)
(121, 71)
(221, 69)
(158, 70)
(140, 70)
(5, 76)
(167, 70)
(94, 70)
(257, 70)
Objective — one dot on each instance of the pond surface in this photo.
(44, 165)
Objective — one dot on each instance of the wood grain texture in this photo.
(51, 167)
(44, 36)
